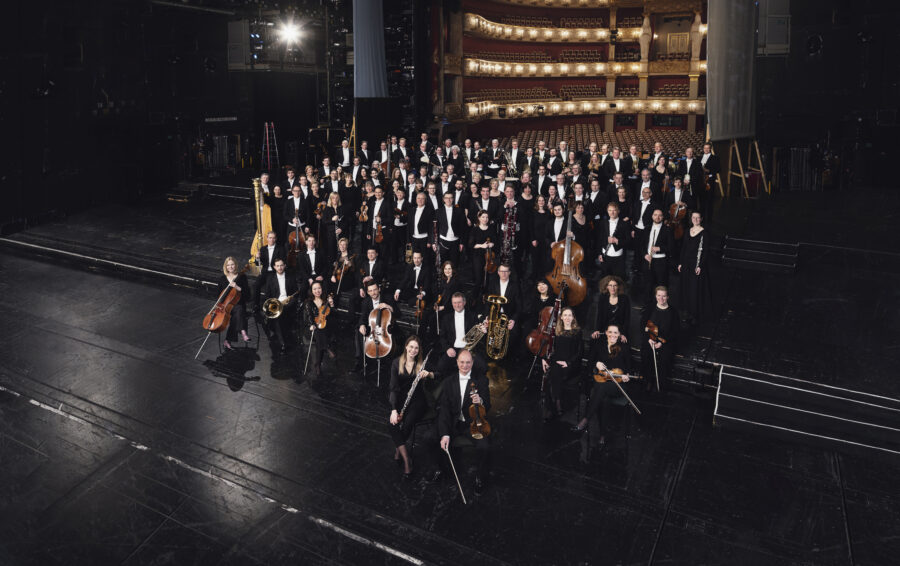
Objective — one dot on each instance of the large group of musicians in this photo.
(488, 252)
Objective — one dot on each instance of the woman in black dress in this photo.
(564, 362)
(660, 172)
(334, 225)
(622, 199)
(695, 292)
(540, 219)
(276, 203)
(448, 284)
(324, 336)
(614, 307)
(482, 236)
(348, 260)
(607, 353)
(233, 278)
(404, 370)
(543, 296)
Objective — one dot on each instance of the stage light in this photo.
(289, 33)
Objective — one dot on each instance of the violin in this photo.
(219, 316)
(379, 235)
(677, 213)
(322, 318)
(615, 374)
(320, 209)
(479, 427)
(420, 307)
(653, 332)
(364, 213)
(490, 258)
(341, 266)
(379, 342)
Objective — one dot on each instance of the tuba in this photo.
(497, 330)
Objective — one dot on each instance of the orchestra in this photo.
(513, 246)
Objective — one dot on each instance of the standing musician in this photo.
(486, 203)
(454, 419)
(511, 230)
(404, 370)
(482, 237)
(381, 212)
(419, 228)
(231, 277)
(711, 168)
(614, 307)
(564, 362)
(323, 336)
(451, 224)
(641, 220)
(295, 207)
(657, 247)
(311, 265)
(493, 159)
(503, 286)
(556, 228)
(398, 235)
(454, 326)
(375, 298)
(284, 288)
(334, 225)
(612, 237)
(608, 353)
(266, 258)
(665, 317)
(691, 170)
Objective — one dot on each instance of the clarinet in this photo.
(412, 389)
(699, 251)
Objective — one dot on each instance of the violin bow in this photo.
(459, 485)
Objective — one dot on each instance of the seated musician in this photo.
(311, 265)
(454, 420)
(417, 281)
(344, 265)
(375, 298)
(323, 336)
(607, 353)
(666, 319)
(283, 287)
(231, 277)
(564, 362)
(542, 296)
(454, 326)
(404, 370)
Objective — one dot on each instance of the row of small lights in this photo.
(552, 3)
(487, 27)
(491, 68)
(484, 108)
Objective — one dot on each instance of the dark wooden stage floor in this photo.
(117, 447)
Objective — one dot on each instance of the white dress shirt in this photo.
(375, 209)
(282, 286)
(416, 217)
(271, 254)
(450, 236)
(651, 241)
(640, 222)
(611, 251)
(558, 227)
(463, 385)
(312, 261)
(459, 324)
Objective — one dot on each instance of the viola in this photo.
(490, 258)
(364, 213)
(420, 307)
(677, 213)
(479, 427)
(219, 316)
(567, 255)
(379, 235)
(322, 318)
(653, 332)
(615, 374)
(379, 342)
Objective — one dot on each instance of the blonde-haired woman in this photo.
(232, 277)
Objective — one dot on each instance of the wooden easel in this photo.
(734, 153)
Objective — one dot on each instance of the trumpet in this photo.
(273, 307)
(498, 328)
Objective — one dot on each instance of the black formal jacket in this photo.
(289, 209)
(514, 305)
(451, 402)
(686, 197)
(426, 221)
(542, 188)
(271, 290)
(397, 155)
(366, 308)
(601, 232)
(426, 281)
(448, 325)
(305, 269)
(362, 271)
(386, 212)
(366, 156)
(554, 168)
(550, 235)
(609, 168)
(665, 242)
(648, 213)
(457, 222)
(279, 252)
(696, 173)
(713, 165)
(494, 210)
(630, 166)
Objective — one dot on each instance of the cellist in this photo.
(233, 278)
(375, 298)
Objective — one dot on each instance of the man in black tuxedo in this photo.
(504, 286)
(325, 170)
(460, 390)
(375, 297)
(493, 159)
(451, 229)
(295, 207)
(658, 246)
(690, 169)
(266, 258)
(711, 168)
(418, 280)
(290, 181)
(365, 156)
(423, 139)
(356, 170)
(402, 152)
(646, 181)
(344, 155)
(612, 240)
(641, 219)
(454, 326)
(542, 181)
(516, 158)
(612, 191)
(419, 226)
(531, 162)
(380, 209)
(486, 202)
(614, 164)
(311, 265)
(279, 285)
(554, 163)
(587, 154)
(370, 269)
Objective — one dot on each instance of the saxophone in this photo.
(498, 330)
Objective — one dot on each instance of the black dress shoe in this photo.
(479, 486)
(434, 477)
(579, 429)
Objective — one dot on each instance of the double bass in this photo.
(296, 241)
(567, 255)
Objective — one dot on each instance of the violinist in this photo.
(614, 307)
(711, 168)
(311, 265)
(612, 237)
(283, 287)
(660, 172)
(455, 416)
(482, 237)
(334, 225)
(398, 234)
(315, 307)
(666, 319)
(448, 285)
(607, 353)
(679, 202)
(404, 370)
(375, 298)
(233, 278)
(564, 362)
(417, 281)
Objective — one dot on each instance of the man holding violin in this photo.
(465, 399)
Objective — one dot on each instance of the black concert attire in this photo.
(613, 254)
(512, 309)
(366, 307)
(399, 235)
(238, 320)
(311, 265)
(536, 304)
(454, 419)
(292, 208)
(420, 229)
(328, 231)
(568, 347)
(323, 336)
(282, 326)
(603, 393)
(347, 282)
(385, 211)
(619, 313)
(276, 206)
(517, 219)
(453, 331)
(540, 254)
(413, 283)
(267, 259)
(669, 329)
(657, 270)
(712, 167)
(641, 221)
(400, 384)
(478, 236)
(695, 289)
(493, 208)
(450, 220)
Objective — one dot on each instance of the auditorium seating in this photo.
(627, 91)
(511, 94)
(581, 56)
(576, 92)
(671, 91)
(529, 21)
(530, 57)
(626, 53)
(579, 136)
(630, 22)
(586, 23)
(673, 56)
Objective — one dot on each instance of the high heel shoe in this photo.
(244, 336)
(580, 427)
(227, 345)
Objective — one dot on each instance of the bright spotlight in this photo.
(289, 33)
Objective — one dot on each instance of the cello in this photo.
(378, 343)
(219, 316)
(677, 213)
(567, 256)
(296, 239)
(540, 340)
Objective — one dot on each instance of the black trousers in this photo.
(656, 272)
(665, 359)
(414, 412)
(450, 251)
(612, 265)
(599, 404)
(556, 377)
(468, 452)
(238, 322)
(282, 327)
